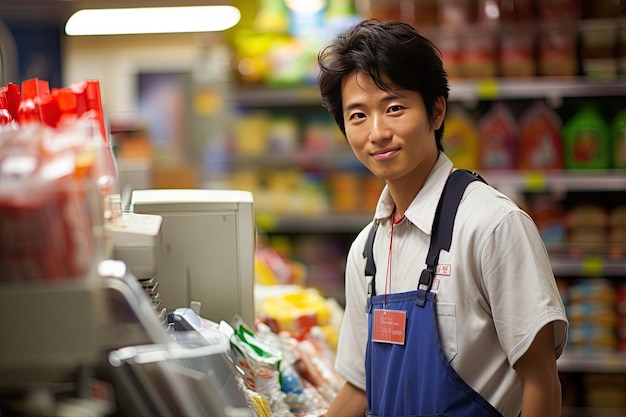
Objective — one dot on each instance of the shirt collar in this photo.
(421, 211)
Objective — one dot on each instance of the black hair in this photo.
(393, 50)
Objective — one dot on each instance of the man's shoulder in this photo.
(485, 205)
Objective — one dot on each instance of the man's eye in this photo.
(357, 116)
(395, 108)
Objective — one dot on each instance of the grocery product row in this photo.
(301, 164)
(454, 13)
(596, 308)
(478, 38)
(593, 366)
(536, 139)
(581, 225)
(517, 38)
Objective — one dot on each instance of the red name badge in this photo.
(389, 326)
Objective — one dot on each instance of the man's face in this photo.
(390, 131)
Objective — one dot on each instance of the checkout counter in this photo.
(111, 312)
(109, 342)
(131, 337)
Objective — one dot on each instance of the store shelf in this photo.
(588, 266)
(329, 159)
(558, 181)
(592, 412)
(277, 96)
(562, 264)
(551, 88)
(592, 362)
(530, 181)
(324, 223)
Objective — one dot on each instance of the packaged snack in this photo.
(9, 103)
(549, 216)
(587, 229)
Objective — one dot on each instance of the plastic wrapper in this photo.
(48, 208)
(57, 175)
(270, 268)
(301, 397)
(296, 312)
(316, 369)
(259, 404)
(260, 364)
(9, 103)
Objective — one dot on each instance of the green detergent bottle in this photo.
(586, 140)
(618, 138)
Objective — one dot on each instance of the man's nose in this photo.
(379, 129)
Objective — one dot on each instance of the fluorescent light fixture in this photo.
(126, 21)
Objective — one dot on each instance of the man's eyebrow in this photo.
(351, 106)
(388, 97)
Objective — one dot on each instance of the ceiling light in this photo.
(126, 21)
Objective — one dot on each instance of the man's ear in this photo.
(439, 112)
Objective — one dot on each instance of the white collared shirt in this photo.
(495, 288)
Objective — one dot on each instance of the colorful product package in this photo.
(540, 139)
(586, 140)
(56, 173)
(499, 136)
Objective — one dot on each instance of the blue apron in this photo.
(415, 379)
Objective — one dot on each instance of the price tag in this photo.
(487, 89)
(535, 181)
(592, 266)
(266, 221)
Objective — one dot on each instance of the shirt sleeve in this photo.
(352, 342)
(521, 286)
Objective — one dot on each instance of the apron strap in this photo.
(441, 236)
(368, 254)
(443, 224)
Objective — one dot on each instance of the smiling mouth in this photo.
(387, 153)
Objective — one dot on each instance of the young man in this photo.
(493, 325)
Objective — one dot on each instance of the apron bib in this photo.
(415, 379)
(406, 371)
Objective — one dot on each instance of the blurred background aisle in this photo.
(537, 105)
